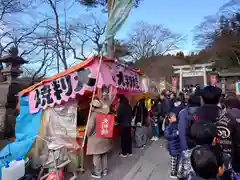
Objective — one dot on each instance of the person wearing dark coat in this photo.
(178, 105)
(166, 104)
(154, 116)
(141, 114)
(124, 118)
(174, 147)
(185, 115)
(226, 124)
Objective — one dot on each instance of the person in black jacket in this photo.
(124, 118)
(154, 117)
(141, 114)
(226, 125)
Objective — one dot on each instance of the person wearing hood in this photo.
(98, 147)
(124, 118)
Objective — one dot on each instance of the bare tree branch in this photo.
(148, 40)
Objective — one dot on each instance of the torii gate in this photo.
(192, 71)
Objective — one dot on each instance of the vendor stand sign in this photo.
(125, 78)
(61, 89)
(104, 125)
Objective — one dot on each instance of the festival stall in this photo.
(57, 108)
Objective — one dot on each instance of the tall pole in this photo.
(110, 42)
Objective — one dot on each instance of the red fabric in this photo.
(195, 117)
(104, 125)
(53, 175)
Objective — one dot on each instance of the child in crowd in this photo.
(174, 147)
(207, 163)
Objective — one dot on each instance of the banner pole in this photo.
(93, 95)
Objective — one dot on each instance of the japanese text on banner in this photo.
(128, 80)
(60, 90)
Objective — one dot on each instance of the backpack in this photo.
(191, 119)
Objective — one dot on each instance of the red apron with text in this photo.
(104, 125)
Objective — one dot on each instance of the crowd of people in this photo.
(202, 130)
(204, 136)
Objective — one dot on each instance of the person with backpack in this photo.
(186, 116)
(226, 124)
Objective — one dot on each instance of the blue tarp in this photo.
(26, 130)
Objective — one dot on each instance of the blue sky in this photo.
(181, 16)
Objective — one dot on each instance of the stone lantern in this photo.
(9, 90)
(13, 63)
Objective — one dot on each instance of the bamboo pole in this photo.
(93, 95)
(110, 6)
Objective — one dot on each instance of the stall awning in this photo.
(81, 79)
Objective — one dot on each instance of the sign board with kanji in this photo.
(104, 125)
(61, 89)
(125, 78)
(78, 81)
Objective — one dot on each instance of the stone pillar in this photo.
(204, 76)
(180, 80)
(223, 84)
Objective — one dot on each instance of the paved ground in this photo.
(148, 164)
(154, 165)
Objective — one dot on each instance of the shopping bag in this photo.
(104, 125)
(133, 121)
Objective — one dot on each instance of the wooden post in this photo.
(110, 42)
